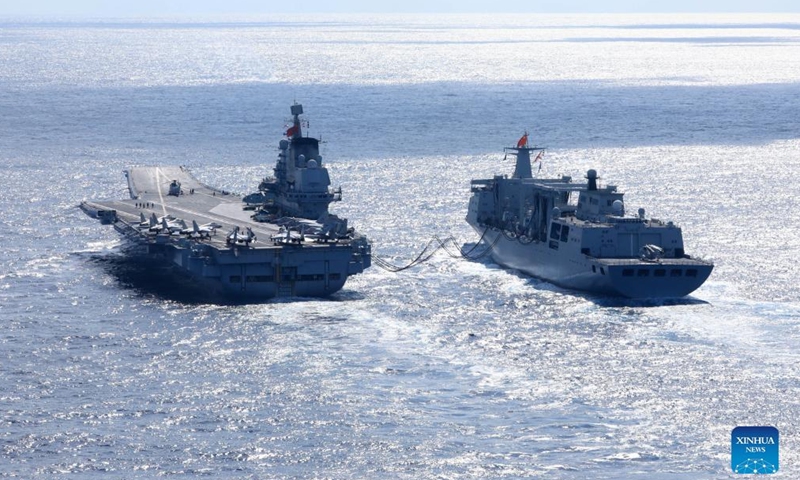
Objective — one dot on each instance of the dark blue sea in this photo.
(454, 369)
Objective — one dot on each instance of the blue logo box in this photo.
(754, 449)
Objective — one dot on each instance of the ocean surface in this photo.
(454, 369)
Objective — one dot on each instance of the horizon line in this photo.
(493, 13)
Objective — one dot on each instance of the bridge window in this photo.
(594, 269)
(555, 231)
(564, 233)
(643, 272)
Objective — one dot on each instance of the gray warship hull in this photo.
(577, 235)
(631, 278)
(256, 270)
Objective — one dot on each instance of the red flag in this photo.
(292, 130)
(523, 141)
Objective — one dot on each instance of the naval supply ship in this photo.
(278, 242)
(578, 235)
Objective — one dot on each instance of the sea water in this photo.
(453, 369)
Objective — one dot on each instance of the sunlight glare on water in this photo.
(452, 369)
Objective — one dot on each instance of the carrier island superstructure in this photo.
(578, 235)
(278, 242)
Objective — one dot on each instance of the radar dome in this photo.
(312, 163)
(617, 208)
(283, 144)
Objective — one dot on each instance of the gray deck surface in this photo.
(150, 185)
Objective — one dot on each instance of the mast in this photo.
(295, 131)
(522, 169)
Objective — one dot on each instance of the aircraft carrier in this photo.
(278, 242)
(578, 235)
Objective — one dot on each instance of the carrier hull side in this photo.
(597, 275)
(246, 275)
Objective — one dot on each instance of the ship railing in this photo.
(661, 261)
(614, 219)
(483, 182)
(555, 186)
